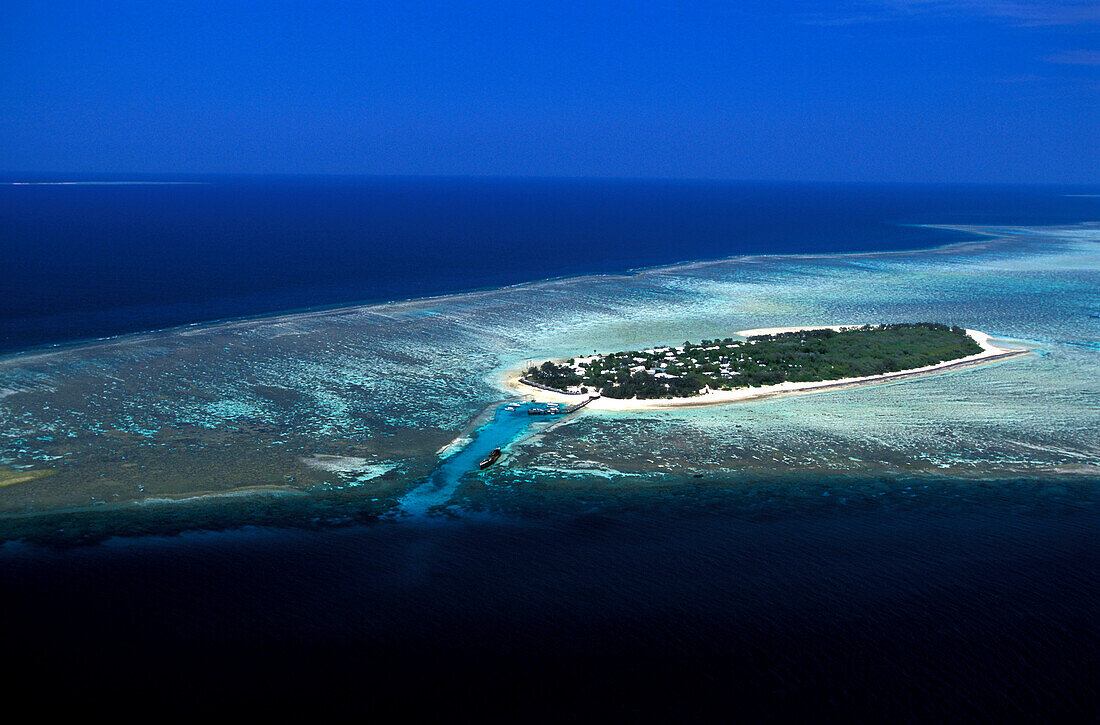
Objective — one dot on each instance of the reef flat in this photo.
(338, 414)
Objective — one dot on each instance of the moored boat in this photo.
(491, 459)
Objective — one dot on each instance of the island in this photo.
(765, 362)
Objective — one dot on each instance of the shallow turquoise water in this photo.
(508, 424)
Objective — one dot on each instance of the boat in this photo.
(490, 460)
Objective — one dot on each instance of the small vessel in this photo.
(491, 459)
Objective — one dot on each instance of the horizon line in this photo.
(105, 178)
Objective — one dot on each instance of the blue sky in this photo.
(876, 90)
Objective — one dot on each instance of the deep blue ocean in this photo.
(86, 260)
(979, 608)
(974, 599)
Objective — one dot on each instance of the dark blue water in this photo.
(941, 606)
(83, 261)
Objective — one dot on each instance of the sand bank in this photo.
(989, 353)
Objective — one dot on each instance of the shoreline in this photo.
(510, 381)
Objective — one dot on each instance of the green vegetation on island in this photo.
(805, 356)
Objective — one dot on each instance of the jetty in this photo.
(558, 409)
(540, 386)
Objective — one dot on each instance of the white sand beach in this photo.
(989, 353)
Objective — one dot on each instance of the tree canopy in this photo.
(805, 356)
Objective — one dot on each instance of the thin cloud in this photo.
(1075, 57)
(1015, 12)
(1026, 78)
(1050, 80)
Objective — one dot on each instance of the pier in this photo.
(540, 386)
(555, 409)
